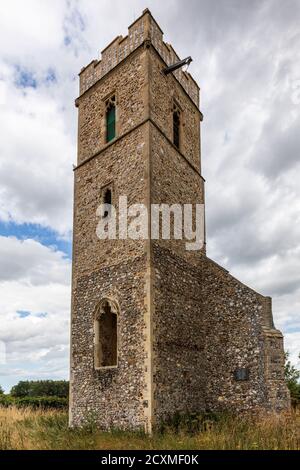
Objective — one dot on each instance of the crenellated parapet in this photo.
(145, 28)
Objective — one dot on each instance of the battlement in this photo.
(142, 29)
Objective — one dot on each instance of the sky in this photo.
(246, 59)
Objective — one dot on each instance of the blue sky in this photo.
(44, 235)
(250, 97)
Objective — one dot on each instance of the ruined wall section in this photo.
(240, 335)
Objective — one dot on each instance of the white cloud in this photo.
(31, 261)
(38, 282)
(31, 23)
(36, 161)
(292, 342)
(38, 119)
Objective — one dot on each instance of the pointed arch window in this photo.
(106, 335)
(110, 107)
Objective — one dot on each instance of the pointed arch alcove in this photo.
(106, 334)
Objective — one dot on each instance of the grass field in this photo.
(39, 429)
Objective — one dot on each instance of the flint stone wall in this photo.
(113, 397)
(179, 363)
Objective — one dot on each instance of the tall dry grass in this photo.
(18, 425)
(266, 432)
(44, 429)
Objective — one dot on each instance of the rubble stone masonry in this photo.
(190, 337)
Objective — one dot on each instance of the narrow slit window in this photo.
(176, 126)
(107, 199)
(110, 119)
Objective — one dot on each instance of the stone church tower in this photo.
(155, 328)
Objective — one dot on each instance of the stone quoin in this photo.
(155, 329)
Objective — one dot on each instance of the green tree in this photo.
(1, 391)
(21, 389)
(292, 375)
(41, 388)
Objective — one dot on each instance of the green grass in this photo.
(48, 429)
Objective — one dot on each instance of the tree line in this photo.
(37, 393)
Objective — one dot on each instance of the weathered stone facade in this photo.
(190, 337)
